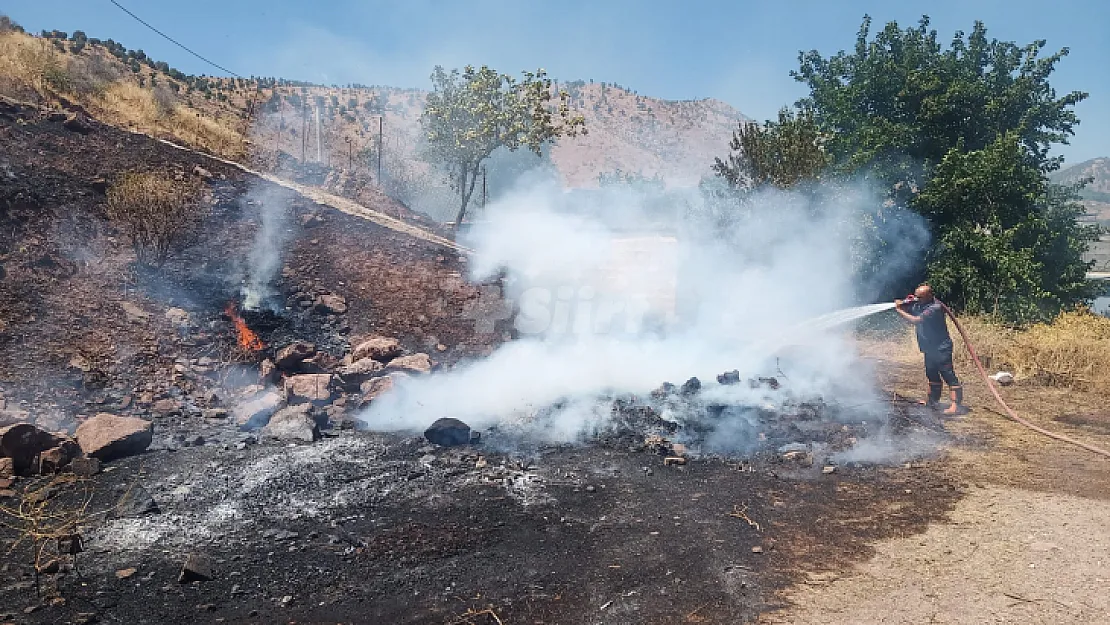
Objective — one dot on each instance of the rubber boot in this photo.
(934, 395)
(957, 400)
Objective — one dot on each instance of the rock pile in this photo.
(27, 449)
(304, 390)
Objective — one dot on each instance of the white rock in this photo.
(1005, 378)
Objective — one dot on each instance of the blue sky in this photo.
(739, 52)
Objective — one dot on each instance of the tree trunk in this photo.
(466, 190)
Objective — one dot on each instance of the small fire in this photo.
(247, 338)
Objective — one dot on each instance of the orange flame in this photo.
(247, 338)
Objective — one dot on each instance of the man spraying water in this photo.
(927, 315)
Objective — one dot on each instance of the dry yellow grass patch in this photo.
(105, 88)
(1073, 351)
(29, 63)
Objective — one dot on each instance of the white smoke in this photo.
(265, 256)
(703, 299)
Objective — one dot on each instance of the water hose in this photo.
(1011, 413)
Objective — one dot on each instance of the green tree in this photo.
(962, 134)
(781, 153)
(470, 114)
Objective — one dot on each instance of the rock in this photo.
(76, 124)
(7, 467)
(311, 220)
(12, 416)
(448, 432)
(690, 387)
(107, 436)
(167, 407)
(135, 502)
(331, 304)
(414, 363)
(214, 413)
(312, 387)
(256, 413)
(290, 357)
(85, 467)
(379, 348)
(126, 573)
(57, 458)
(828, 470)
(267, 372)
(292, 423)
(664, 390)
(1005, 378)
(196, 568)
(178, 318)
(729, 377)
(22, 443)
(673, 460)
(201, 172)
(363, 369)
(376, 387)
(757, 549)
(133, 312)
(321, 362)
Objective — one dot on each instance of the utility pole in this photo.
(380, 122)
(484, 196)
(319, 145)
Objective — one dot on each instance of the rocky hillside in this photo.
(273, 122)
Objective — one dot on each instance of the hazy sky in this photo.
(739, 52)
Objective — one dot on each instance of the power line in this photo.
(172, 40)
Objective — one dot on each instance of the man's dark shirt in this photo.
(932, 331)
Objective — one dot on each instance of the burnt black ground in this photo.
(390, 531)
(370, 528)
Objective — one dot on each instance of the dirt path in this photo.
(1005, 556)
(1029, 543)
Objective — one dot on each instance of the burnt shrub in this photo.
(158, 214)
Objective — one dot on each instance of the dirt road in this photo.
(1029, 543)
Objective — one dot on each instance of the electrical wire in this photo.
(174, 41)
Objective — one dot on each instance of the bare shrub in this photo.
(158, 214)
(165, 100)
(91, 75)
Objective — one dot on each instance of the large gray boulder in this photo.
(448, 432)
(293, 423)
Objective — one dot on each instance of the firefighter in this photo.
(928, 317)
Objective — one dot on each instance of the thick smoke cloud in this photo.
(590, 328)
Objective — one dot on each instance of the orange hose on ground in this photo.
(994, 391)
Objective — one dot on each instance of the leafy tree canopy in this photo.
(962, 135)
(782, 153)
(470, 114)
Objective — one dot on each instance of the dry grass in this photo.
(1071, 352)
(106, 89)
(27, 63)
